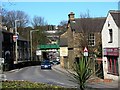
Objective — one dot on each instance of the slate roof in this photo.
(21, 38)
(116, 16)
(87, 24)
(63, 42)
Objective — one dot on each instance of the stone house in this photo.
(81, 33)
(111, 45)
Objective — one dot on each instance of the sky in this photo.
(55, 12)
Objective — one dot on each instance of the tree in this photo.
(11, 16)
(62, 26)
(39, 37)
(62, 23)
(38, 21)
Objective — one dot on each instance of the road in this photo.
(35, 74)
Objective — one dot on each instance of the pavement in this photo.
(113, 85)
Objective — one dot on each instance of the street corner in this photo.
(59, 69)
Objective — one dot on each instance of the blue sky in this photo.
(54, 12)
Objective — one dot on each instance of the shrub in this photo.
(82, 72)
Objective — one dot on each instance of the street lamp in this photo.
(31, 41)
(16, 56)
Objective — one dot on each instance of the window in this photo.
(113, 65)
(91, 40)
(73, 30)
(108, 24)
(111, 36)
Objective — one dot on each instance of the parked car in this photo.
(45, 64)
(56, 62)
(58, 59)
(51, 62)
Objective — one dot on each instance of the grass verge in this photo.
(26, 85)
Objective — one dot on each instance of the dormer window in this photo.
(111, 35)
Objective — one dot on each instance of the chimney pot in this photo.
(71, 16)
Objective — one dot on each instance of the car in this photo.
(51, 62)
(55, 62)
(58, 59)
(45, 64)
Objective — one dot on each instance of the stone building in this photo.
(81, 33)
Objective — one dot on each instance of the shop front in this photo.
(111, 65)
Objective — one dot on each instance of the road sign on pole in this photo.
(15, 37)
(85, 51)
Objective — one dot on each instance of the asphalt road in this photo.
(35, 74)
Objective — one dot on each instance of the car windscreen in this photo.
(45, 63)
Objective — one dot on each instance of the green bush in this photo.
(82, 72)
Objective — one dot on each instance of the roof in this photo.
(21, 38)
(5, 31)
(116, 16)
(63, 42)
(85, 24)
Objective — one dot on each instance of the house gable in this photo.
(116, 17)
(110, 24)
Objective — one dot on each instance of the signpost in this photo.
(38, 52)
(86, 53)
(15, 37)
(63, 51)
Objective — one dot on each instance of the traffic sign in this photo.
(38, 52)
(15, 37)
(85, 49)
(85, 52)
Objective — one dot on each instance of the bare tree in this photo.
(62, 23)
(38, 21)
(11, 16)
(62, 26)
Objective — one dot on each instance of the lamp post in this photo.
(16, 46)
(31, 41)
(16, 58)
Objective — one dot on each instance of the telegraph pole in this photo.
(31, 42)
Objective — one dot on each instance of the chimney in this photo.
(71, 16)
